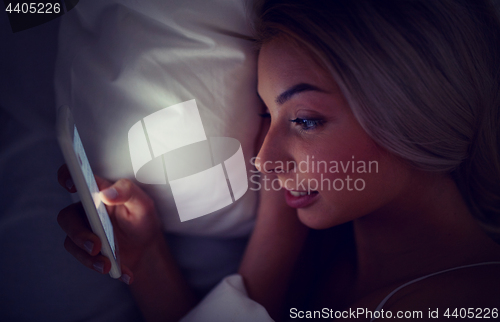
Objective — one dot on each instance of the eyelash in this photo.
(305, 124)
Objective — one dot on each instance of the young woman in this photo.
(413, 87)
(394, 108)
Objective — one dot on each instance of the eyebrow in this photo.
(294, 90)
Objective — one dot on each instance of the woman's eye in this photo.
(265, 115)
(307, 124)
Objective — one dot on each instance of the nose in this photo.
(273, 156)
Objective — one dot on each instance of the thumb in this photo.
(125, 192)
(127, 275)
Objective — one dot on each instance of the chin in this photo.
(316, 219)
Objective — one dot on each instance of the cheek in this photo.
(355, 156)
(352, 188)
(382, 188)
(344, 141)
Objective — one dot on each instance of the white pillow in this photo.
(120, 61)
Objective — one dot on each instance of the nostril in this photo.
(268, 167)
(263, 166)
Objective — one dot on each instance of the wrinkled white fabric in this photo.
(228, 302)
(122, 60)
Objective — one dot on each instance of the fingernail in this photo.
(88, 245)
(125, 278)
(99, 266)
(110, 193)
(69, 184)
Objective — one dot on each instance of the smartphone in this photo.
(83, 178)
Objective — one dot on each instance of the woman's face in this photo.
(333, 172)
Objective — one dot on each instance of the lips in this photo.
(300, 199)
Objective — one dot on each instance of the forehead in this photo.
(283, 63)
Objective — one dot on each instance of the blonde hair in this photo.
(422, 78)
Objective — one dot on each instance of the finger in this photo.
(102, 183)
(98, 263)
(127, 275)
(125, 192)
(64, 178)
(73, 221)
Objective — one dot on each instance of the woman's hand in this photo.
(160, 290)
(273, 250)
(135, 225)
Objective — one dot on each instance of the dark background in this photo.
(39, 280)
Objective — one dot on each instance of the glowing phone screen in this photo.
(94, 190)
